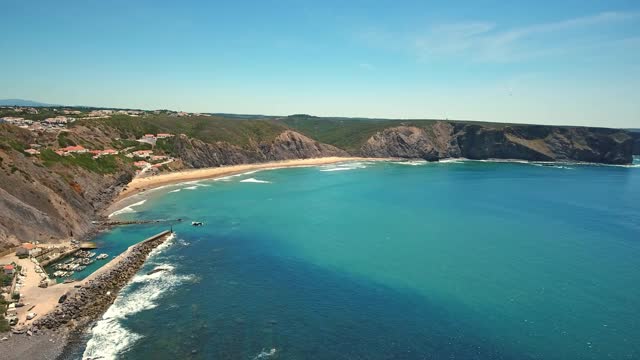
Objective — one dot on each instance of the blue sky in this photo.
(552, 62)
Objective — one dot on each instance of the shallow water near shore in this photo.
(466, 260)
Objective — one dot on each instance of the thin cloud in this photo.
(505, 45)
(487, 42)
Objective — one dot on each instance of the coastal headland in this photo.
(67, 178)
(85, 301)
(63, 177)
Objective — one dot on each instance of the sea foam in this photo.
(127, 209)
(411, 162)
(254, 180)
(109, 338)
(229, 177)
(345, 166)
(265, 354)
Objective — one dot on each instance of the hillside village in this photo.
(145, 159)
(23, 280)
(55, 122)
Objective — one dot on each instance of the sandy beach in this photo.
(138, 185)
(46, 300)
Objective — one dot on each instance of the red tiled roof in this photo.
(8, 267)
(28, 246)
(73, 148)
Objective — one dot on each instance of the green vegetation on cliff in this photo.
(206, 128)
(101, 165)
(4, 324)
(348, 134)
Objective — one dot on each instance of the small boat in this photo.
(102, 256)
(197, 223)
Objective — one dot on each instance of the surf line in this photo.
(100, 289)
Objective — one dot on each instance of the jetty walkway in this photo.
(134, 222)
(98, 291)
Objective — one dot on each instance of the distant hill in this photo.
(22, 102)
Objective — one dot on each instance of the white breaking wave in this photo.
(109, 338)
(551, 166)
(194, 183)
(229, 177)
(160, 248)
(254, 180)
(338, 169)
(225, 178)
(265, 354)
(411, 162)
(558, 164)
(193, 186)
(128, 209)
(452, 160)
(345, 166)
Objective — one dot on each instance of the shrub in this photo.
(4, 324)
(5, 280)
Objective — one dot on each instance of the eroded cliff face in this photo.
(288, 145)
(526, 142)
(414, 142)
(48, 202)
(636, 142)
(293, 145)
(52, 201)
(43, 204)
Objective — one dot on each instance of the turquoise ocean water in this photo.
(454, 260)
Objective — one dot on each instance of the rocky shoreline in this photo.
(82, 305)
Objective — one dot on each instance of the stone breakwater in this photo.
(92, 299)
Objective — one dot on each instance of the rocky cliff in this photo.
(46, 201)
(288, 145)
(43, 205)
(526, 142)
(636, 142)
(48, 198)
